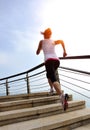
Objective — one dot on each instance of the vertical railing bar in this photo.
(7, 87)
(28, 85)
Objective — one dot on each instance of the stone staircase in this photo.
(41, 111)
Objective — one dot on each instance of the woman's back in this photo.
(48, 47)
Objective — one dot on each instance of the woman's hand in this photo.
(64, 54)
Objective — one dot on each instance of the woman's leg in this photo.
(50, 84)
(51, 68)
(57, 87)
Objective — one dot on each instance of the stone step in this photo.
(64, 121)
(24, 96)
(14, 116)
(31, 102)
(84, 127)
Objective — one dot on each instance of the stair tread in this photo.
(37, 110)
(51, 122)
(28, 100)
(11, 98)
(85, 127)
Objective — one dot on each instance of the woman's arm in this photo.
(39, 48)
(63, 46)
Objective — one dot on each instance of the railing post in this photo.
(28, 86)
(7, 88)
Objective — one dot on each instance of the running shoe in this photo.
(51, 92)
(64, 101)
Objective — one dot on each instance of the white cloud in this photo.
(22, 41)
(4, 57)
(69, 20)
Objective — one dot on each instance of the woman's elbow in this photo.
(37, 52)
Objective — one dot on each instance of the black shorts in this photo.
(51, 69)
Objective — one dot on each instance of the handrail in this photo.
(34, 81)
(76, 57)
(76, 92)
(42, 64)
(75, 79)
(80, 71)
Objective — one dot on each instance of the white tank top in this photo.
(48, 47)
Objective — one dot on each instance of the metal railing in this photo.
(34, 80)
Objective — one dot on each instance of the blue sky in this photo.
(22, 20)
